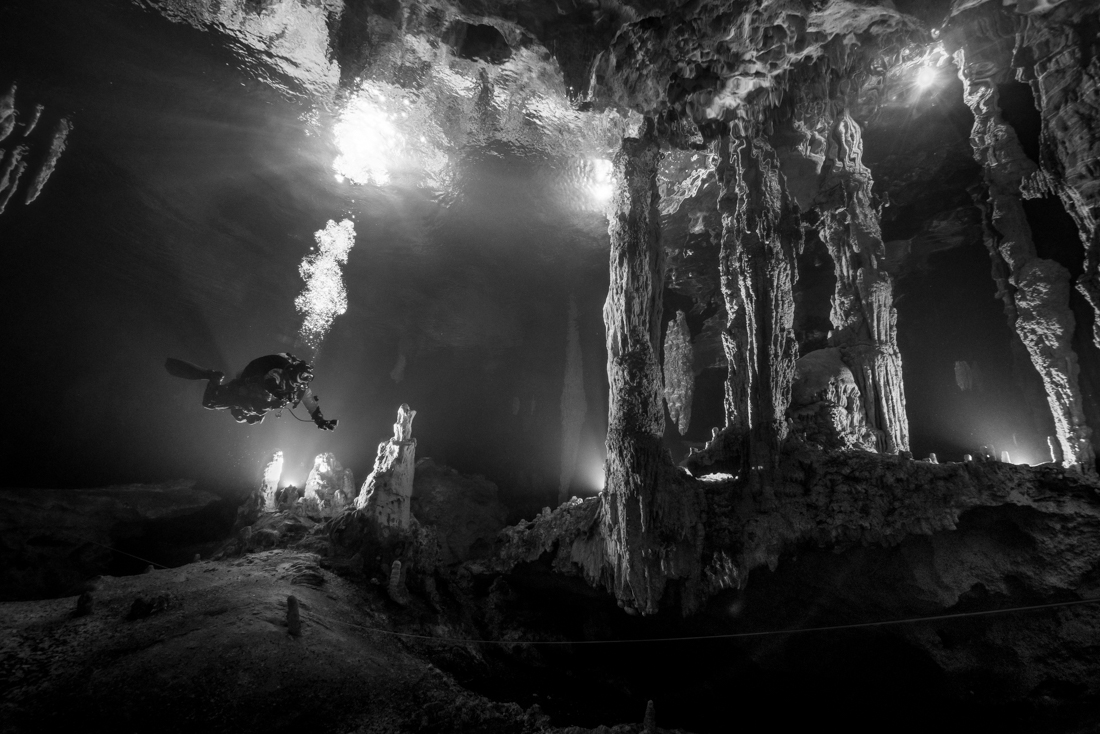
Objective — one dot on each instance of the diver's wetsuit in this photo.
(268, 383)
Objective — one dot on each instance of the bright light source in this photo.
(926, 77)
(600, 185)
(366, 140)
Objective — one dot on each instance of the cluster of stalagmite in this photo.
(1035, 291)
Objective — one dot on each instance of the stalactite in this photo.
(651, 511)
(864, 321)
(574, 407)
(679, 372)
(1038, 305)
(45, 170)
(757, 267)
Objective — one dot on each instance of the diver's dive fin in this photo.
(186, 370)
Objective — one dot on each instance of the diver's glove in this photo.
(320, 422)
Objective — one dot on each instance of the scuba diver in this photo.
(268, 383)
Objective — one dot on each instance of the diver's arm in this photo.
(314, 407)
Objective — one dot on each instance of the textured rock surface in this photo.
(329, 487)
(826, 403)
(1035, 291)
(649, 517)
(465, 512)
(679, 372)
(760, 234)
(863, 316)
(53, 540)
(386, 494)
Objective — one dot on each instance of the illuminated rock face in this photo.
(329, 487)
(863, 316)
(273, 472)
(1035, 291)
(827, 405)
(386, 494)
(650, 521)
(756, 263)
(679, 372)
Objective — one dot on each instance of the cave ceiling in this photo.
(559, 84)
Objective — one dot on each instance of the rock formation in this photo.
(1035, 291)
(759, 236)
(863, 316)
(649, 510)
(679, 372)
(574, 406)
(329, 487)
(466, 512)
(273, 472)
(386, 495)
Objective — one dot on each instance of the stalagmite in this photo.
(273, 472)
(757, 267)
(574, 407)
(1038, 307)
(293, 617)
(57, 147)
(863, 317)
(387, 492)
(679, 372)
(329, 487)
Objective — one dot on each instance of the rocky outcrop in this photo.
(650, 518)
(1035, 291)
(53, 540)
(386, 495)
(679, 372)
(464, 511)
(857, 499)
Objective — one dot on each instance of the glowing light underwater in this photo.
(600, 184)
(366, 139)
(324, 297)
(926, 77)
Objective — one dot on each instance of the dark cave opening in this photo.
(1017, 104)
(813, 295)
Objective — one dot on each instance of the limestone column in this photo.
(863, 316)
(1059, 53)
(1037, 299)
(650, 514)
(757, 267)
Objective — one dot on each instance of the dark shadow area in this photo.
(1017, 104)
